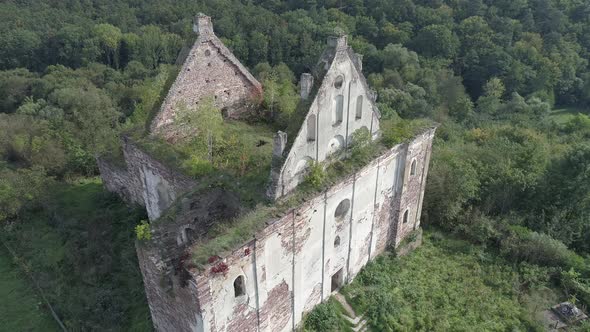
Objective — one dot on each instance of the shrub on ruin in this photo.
(142, 231)
(316, 176)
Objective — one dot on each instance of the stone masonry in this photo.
(301, 256)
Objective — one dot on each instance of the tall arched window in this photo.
(239, 286)
(338, 110)
(359, 107)
(311, 128)
(413, 168)
(406, 216)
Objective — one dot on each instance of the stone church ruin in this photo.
(298, 254)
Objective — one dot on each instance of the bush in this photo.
(324, 317)
(316, 175)
(142, 231)
(521, 244)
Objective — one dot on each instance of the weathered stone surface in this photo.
(209, 71)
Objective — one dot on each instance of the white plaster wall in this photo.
(323, 108)
(157, 193)
(336, 257)
(362, 216)
(308, 262)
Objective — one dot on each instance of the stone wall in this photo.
(144, 180)
(288, 268)
(209, 71)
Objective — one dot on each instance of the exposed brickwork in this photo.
(209, 71)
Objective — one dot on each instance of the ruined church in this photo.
(269, 282)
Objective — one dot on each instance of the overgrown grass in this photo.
(80, 247)
(327, 317)
(20, 308)
(451, 285)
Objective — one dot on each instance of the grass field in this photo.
(20, 308)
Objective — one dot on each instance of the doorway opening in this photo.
(337, 280)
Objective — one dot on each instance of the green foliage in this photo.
(19, 188)
(20, 305)
(142, 231)
(81, 247)
(430, 288)
(362, 147)
(398, 131)
(316, 175)
(532, 247)
(325, 317)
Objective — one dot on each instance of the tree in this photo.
(18, 188)
(19, 48)
(206, 121)
(436, 41)
(109, 38)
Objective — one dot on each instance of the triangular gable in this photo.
(209, 71)
(343, 104)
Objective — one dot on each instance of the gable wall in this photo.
(327, 133)
(209, 71)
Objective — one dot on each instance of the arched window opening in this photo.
(303, 165)
(239, 286)
(337, 242)
(339, 81)
(406, 216)
(335, 145)
(338, 110)
(413, 168)
(311, 128)
(359, 107)
(189, 234)
(342, 209)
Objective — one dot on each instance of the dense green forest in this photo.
(507, 80)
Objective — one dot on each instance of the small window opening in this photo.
(406, 216)
(311, 128)
(342, 209)
(339, 110)
(209, 64)
(239, 286)
(337, 242)
(338, 82)
(413, 168)
(207, 53)
(359, 107)
(190, 234)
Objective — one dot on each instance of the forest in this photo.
(508, 191)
